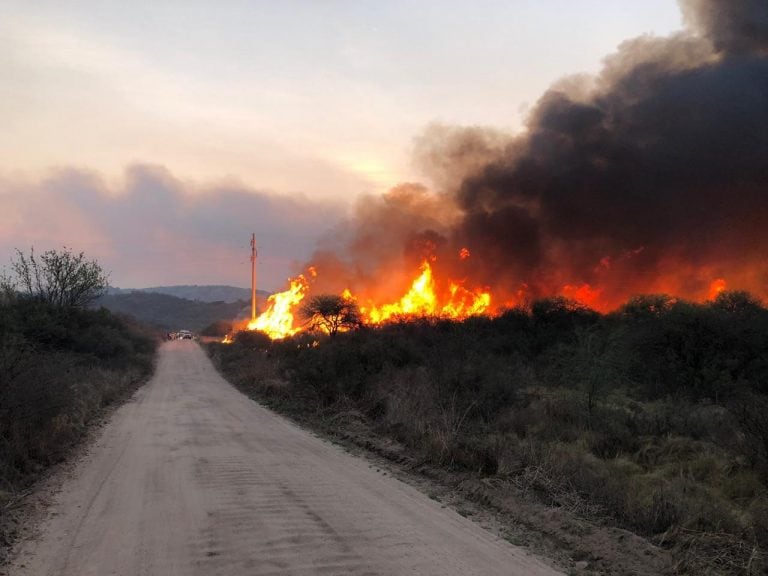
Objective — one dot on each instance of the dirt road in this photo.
(192, 478)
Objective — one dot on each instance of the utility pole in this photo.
(253, 276)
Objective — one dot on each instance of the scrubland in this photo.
(653, 418)
(59, 367)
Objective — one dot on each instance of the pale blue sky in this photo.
(319, 97)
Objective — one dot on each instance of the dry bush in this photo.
(718, 553)
(248, 364)
(409, 407)
(58, 368)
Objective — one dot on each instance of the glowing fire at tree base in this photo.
(421, 300)
(425, 297)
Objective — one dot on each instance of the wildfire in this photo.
(422, 300)
(418, 301)
(584, 294)
(465, 303)
(716, 287)
(277, 320)
(426, 296)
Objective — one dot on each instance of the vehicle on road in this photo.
(181, 335)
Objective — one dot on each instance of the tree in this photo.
(737, 302)
(60, 278)
(647, 306)
(331, 313)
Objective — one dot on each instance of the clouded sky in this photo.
(156, 135)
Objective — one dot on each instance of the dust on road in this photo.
(193, 478)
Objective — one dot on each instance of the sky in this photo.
(156, 135)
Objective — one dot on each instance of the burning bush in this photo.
(330, 314)
(648, 178)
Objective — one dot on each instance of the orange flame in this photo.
(465, 303)
(440, 296)
(422, 300)
(418, 301)
(277, 320)
(583, 294)
(716, 287)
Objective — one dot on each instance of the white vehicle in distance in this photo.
(184, 335)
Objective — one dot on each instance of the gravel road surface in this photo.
(193, 478)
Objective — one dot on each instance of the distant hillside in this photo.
(169, 312)
(212, 293)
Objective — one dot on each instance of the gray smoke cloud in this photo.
(733, 26)
(154, 228)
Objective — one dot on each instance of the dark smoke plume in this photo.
(655, 179)
(650, 177)
(733, 26)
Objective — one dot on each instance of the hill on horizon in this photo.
(168, 313)
(201, 293)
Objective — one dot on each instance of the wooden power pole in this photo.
(253, 276)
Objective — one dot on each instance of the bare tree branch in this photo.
(331, 313)
(61, 278)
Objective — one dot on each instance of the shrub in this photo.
(219, 329)
(58, 368)
(252, 339)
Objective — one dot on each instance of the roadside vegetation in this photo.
(653, 418)
(61, 363)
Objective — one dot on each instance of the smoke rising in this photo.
(385, 234)
(650, 177)
(733, 26)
